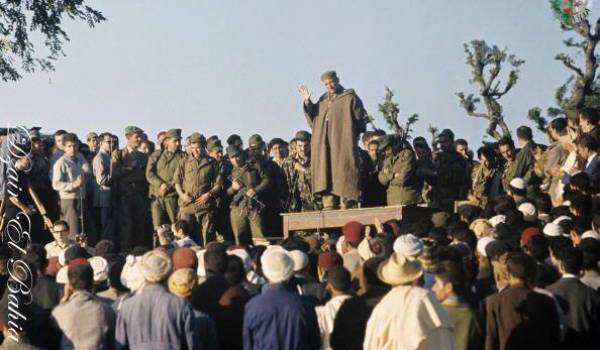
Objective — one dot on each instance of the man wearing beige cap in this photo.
(408, 317)
(160, 173)
(336, 119)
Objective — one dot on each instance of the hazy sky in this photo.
(222, 67)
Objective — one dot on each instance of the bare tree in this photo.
(486, 63)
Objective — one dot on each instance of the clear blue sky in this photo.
(222, 67)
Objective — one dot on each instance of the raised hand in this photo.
(305, 93)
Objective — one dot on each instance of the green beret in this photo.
(214, 144)
(69, 137)
(197, 137)
(173, 134)
(385, 142)
(255, 141)
(91, 135)
(302, 135)
(133, 130)
(329, 75)
(233, 151)
(448, 133)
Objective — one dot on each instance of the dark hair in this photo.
(521, 266)
(233, 138)
(538, 248)
(559, 125)
(453, 272)
(466, 236)
(587, 141)
(524, 133)
(590, 248)
(339, 278)
(542, 202)
(582, 204)
(488, 152)
(59, 132)
(181, 225)
(62, 223)
(81, 277)
(461, 142)
(580, 182)
(504, 204)
(558, 244)
(36, 256)
(506, 141)
(373, 142)
(114, 274)
(367, 135)
(215, 260)
(596, 221)
(104, 248)
(581, 224)
(420, 142)
(234, 273)
(571, 260)
(589, 114)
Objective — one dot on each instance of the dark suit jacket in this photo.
(593, 170)
(581, 307)
(519, 318)
(523, 164)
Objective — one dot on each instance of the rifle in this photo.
(41, 209)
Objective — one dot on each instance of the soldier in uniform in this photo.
(38, 176)
(277, 193)
(298, 178)
(198, 183)
(449, 173)
(224, 167)
(486, 178)
(160, 172)
(248, 185)
(399, 173)
(506, 147)
(129, 177)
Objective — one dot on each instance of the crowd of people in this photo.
(177, 244)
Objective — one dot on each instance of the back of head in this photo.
(339, 278)
(215, 261)
(522, 267)
(81, 277)
(524, 133)
(571, 260)
(36, 257)
(235, 271)
(452, 271)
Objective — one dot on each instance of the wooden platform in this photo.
(315, 220)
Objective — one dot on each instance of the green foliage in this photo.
(486, 64)
(20, 19)
(535, 115)
(391, 114)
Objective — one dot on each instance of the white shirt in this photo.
(326, 317)
(590, 158)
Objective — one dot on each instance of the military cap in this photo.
(34, 133)
(302, 135)
(214, 144)
(197, 137)
(212, 137)
(91, 135)
(330, 74)
(69, 137)
(447, 133)
(255, 141)
(173, 134)
(133, 130)
(385, 142)
(233, 151)
(276, 141)
(233, 138)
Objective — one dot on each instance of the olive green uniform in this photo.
(129, 176)
(197, 176)
(160, 170)
(246, 220)
(399, 175)
(486, 184)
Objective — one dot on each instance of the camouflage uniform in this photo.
(129, 176)
(482, 184)
(161, 168)
(197, 176)
(298, 179)
(246, 220)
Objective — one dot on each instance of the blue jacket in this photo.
(155, 319)
(279, 319)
